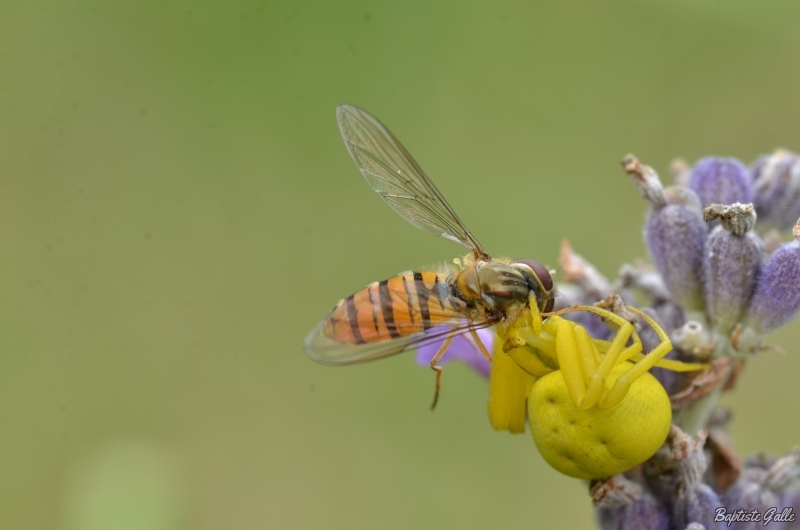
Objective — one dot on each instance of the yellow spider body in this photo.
(593, 412)
(598, 442)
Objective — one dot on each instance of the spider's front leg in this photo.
(643, 364)
(584, 370)
(616, 354)
(585, 378)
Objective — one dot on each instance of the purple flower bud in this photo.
(750, 496)
(776, 179)
(698, 505)
(675, 234)
(463, 348)
(721, 180)
(645, 512)
(730, 266)
(776, 299)
(791, 499)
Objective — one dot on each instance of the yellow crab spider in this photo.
(593, 407)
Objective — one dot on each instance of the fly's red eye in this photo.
(540, 271)
(543, 274)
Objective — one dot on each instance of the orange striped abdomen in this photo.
(397, 307)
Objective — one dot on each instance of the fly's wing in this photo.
(325, 350)
(397, 178)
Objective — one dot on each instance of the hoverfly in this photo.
(420, 307)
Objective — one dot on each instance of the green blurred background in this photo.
(177, 210)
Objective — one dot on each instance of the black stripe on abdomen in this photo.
(387, 308)
(422, 299)
(352, 318)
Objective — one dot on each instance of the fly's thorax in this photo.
(468, 284)
(502, 286)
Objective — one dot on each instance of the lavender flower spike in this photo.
(675, 234)
(721, 180)
(730, 265)
(776, 299)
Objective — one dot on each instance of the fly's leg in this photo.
(438, 369)
(480, 345)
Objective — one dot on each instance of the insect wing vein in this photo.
(392, 172)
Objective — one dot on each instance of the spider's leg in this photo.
(569, 359)
(614, 355)
(617, 352)
(623, 383)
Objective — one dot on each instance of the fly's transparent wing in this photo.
(325, 350)
(397, 178)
